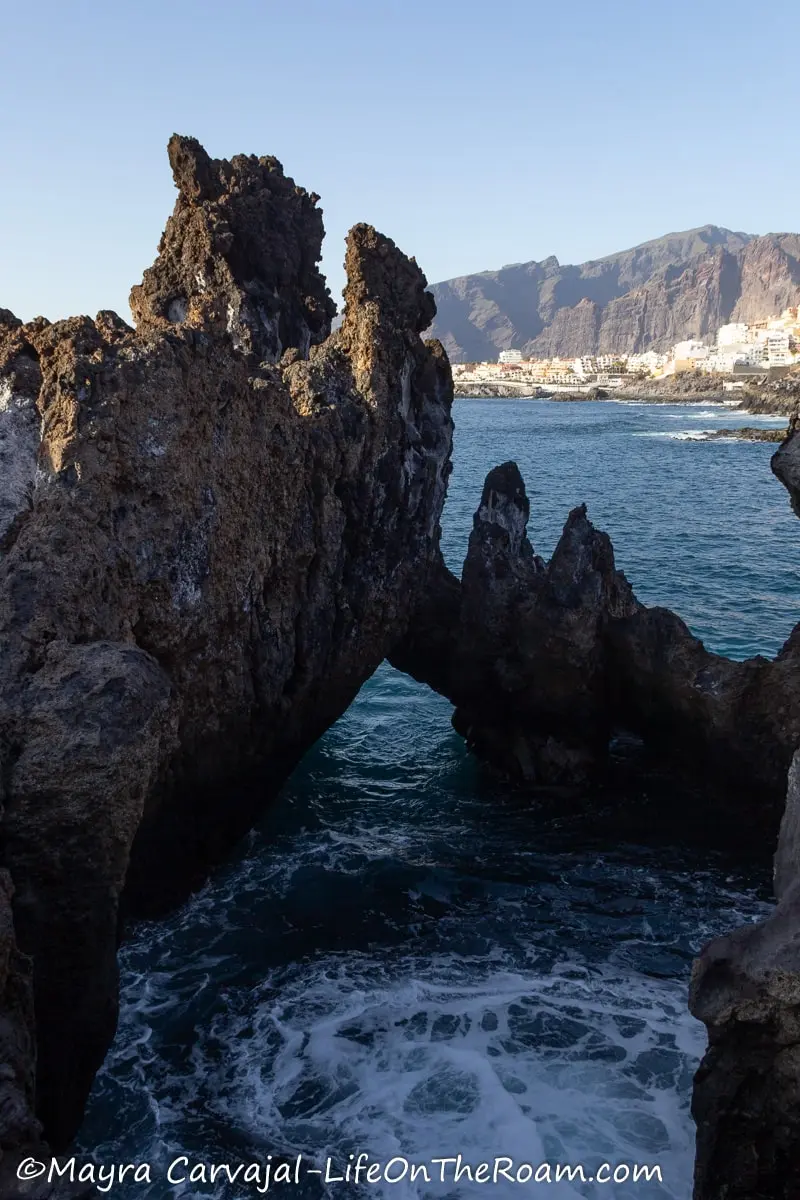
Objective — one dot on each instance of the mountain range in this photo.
(678, 286)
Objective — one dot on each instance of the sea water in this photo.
(408, 958)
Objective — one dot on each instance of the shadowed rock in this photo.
(215, 527)
(746, 988)
(520, 646)
(786, 464)
(544, 661)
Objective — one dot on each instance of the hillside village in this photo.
(770, 346)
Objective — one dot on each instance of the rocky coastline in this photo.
(525, 391)
(760, 395)
(746, 989)
(213, 528)
(545, 660)
(499, 391)
(747, 434)
(216, 526)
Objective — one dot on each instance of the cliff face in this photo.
(679, 286)
(215, 527)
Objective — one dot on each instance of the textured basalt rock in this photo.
(786, 464)
(239, 255)
(19, 1128)
(519, 646)
(545, 661)
(215, 527)
(746, 988)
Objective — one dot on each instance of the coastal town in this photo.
(740, 350)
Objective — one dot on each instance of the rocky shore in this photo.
(213, 528)
(747, 434)
(760, 395)
(746, 989)
(499, 391)
(544, 660)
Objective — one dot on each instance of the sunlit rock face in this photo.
(217, 524)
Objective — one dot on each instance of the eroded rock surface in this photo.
(215, 527)
(786, 464)
(545, 660)
(519, 645)
(19, 1129)
(746, 988)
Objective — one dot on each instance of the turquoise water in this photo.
(408, 958)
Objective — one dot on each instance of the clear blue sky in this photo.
(474, 134)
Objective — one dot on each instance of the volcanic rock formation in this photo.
(545, 661)
(520, 646)
(746, 988)
(213, 529)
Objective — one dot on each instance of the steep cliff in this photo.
(213, 529)
(682, 285)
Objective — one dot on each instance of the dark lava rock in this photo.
(212, 530)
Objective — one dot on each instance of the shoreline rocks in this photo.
(520, 649)
(219, 524)
(761, 395)
(747, 434)
(746, 989)
(543, 661)
(499, 391)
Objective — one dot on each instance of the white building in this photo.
(725, 359)
(691, 349)
(510, 356)
(610, 362)
(734, 334)
(776, 348)
(649, 361)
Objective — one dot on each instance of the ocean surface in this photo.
(410, 959)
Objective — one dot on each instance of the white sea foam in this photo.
(684, 435)
(415, 1060)
(428, 1058)
(417, 1049)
